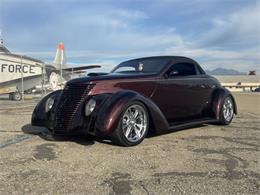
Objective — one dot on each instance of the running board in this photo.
(186, 124)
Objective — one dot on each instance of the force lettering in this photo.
(16, 68)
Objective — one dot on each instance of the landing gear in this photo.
(17, 96)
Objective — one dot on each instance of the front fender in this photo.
(218, 100)
(39, 116)
(110, 112)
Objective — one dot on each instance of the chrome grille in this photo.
(70, 106)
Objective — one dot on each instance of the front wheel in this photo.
(227, 111)
(133, 125)
(17, 96)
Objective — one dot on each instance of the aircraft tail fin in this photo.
(60, 59)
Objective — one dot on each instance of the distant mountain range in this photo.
(223, 71)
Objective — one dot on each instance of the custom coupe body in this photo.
(146, 94)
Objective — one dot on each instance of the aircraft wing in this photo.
(80, 68)
(77, 72)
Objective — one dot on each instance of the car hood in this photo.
(109, 76)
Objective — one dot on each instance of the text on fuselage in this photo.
(17, 68)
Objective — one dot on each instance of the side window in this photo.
(181, 69)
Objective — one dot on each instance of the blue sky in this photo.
(216, 33)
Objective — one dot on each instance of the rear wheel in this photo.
(133, 125)
(227, 111)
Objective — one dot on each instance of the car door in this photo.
(180, 92)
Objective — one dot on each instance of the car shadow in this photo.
(87, 140)
(45, 134)
(152, 133)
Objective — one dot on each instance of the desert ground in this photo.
(207, 159)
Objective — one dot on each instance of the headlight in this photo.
(48, 105)
(90, 106)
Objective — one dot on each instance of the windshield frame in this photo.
(164, 62)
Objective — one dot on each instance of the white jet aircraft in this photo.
(19, 73)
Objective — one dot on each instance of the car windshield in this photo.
(151, 66)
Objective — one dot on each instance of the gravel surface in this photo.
(203, 160)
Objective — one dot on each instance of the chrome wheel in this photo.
(134, 123)
(228, 109)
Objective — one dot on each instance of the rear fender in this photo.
(218, 100)
(111, 111)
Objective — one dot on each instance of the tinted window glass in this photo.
(182, 69)
(141, 66)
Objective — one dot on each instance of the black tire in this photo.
(17, 96)
(10, 96)
(223, 119)
(119, 137)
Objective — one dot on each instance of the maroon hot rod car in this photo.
(147, 94)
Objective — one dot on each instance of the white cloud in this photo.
(108, 33)
(238, 29)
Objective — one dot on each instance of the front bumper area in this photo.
(84, 125)
(67, 113)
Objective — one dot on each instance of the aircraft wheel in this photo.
(17, 96)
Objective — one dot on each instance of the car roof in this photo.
(173, 58)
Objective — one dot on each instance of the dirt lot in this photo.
(204, 160)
